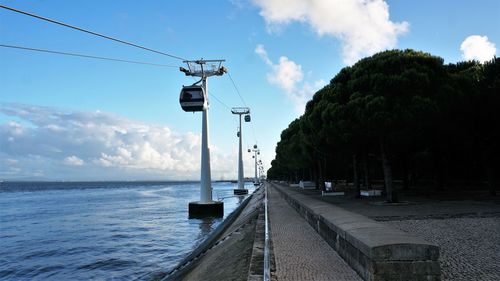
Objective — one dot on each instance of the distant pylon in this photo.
(241, 179)
(256, 153)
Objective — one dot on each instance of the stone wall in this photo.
(374, 250)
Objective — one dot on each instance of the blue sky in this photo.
(69, 118)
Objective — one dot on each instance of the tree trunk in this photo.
(406, 172)
(321, 176)
(491, 181)
(355, 175)
(438, 167)
(386, 165)
(366, 171)
(490, 177)
(315, 177)
(441, 173)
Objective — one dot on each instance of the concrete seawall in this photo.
(232, 251)
(374, 250)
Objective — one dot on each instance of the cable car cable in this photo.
(253, 132)
(91, 32)
(236, 88)
(241, 97)
(84, 56)
(215, 97)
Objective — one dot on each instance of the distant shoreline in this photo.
(116, 181)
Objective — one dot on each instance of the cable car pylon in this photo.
(194, 98)
(256, 153)
(241, 190)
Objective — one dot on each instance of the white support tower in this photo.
(241, 178)
(206, 206)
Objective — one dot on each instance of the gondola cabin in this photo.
(192, 98)
(247, 118)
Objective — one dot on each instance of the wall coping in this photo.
(374, 243)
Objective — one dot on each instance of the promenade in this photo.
(300, 252)
(466, 228)
(387, 241)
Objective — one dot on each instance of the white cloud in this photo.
(73, 161)
(478, 48)
(362, 26)
(287, 75)
(98, 145)
(259, 50)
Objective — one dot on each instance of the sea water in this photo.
(100, 230)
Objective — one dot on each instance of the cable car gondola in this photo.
(247, 118)
(192, 98)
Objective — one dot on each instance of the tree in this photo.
(488, 120)
(392, 100)
(408, 108)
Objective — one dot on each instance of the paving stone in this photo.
(300, 252)
(470, 247)
(466, 230)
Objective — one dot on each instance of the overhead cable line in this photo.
(236, 88)
(84, 56)
(215, 97)
(243, 101)
(91, 32)
(253, 133)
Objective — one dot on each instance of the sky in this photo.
(72, 118)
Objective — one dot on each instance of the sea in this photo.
(101, 230)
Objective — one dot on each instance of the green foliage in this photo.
(417, 108)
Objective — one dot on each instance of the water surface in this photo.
(101, 230)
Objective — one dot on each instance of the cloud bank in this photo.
(362, 26)
(56, 144)
(478, 48)
(287, 75)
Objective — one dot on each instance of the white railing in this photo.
(267, 273)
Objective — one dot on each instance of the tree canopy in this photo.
(403, 111)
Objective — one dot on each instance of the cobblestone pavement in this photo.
(300, 253)
(414, 208)
(470, 247)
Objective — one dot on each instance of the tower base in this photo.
(203, 210)
(241, 191)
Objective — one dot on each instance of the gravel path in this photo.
(300, 253)
(470, 247)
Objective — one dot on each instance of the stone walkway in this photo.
(300, 253)
(470, 247)
(466, 230)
